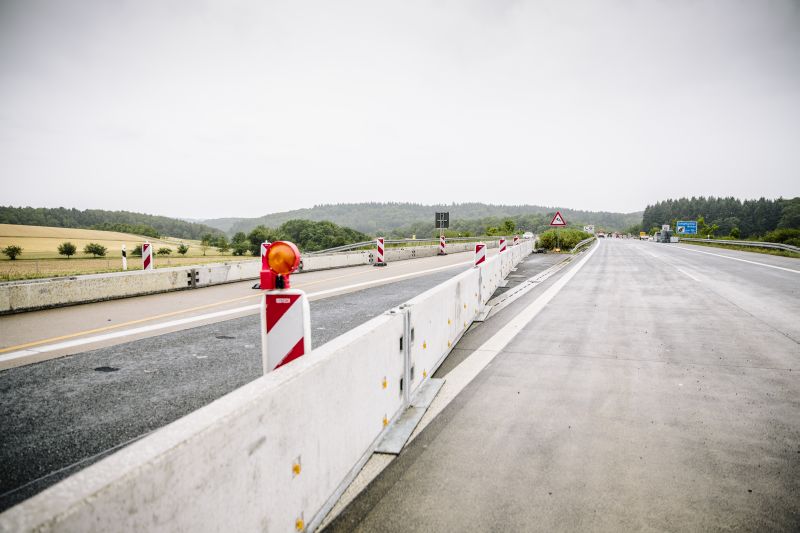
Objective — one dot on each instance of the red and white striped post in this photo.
(285, 313)
(285, 327)
(147, 256)
(442, 245)
(502, 245)
(380, 260)
(516, 240)
(480, 253)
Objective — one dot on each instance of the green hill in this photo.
(389, 218)
(124, 221)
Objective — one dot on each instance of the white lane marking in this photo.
(682, 271)
(464, 373)
(738, 259)
(11, 356)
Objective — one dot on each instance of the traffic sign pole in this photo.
(558, 222)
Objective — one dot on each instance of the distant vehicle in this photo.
(527, 235)
(601, 235)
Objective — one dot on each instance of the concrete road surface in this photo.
(659, 390)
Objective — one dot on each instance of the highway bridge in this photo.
(633, 386)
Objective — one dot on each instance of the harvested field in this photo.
(40, 257)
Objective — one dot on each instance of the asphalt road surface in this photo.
(61, 415)
(658, 390)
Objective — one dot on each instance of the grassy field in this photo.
(40, 257)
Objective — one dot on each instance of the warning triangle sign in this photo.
(558, 220)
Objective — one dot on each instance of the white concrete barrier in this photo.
(272, 455)
(29, 295)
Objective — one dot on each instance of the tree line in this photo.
(68, 249)
(385, 218)
(123, 221)
(729, 216)
(308, 235)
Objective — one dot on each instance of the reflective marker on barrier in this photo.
(502, 245)
(285, 313)
(480, 253)
(379, 259)
(147, 256)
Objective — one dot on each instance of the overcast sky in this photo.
(241, 108)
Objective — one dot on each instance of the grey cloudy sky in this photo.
(240, 108)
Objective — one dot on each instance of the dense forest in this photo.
(405, 218)
(126, 221)
(727, 216)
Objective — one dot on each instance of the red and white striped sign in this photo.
(516, 240)
(480, 253)
(379, 259)
(285, 327)
(147, 256)
(502, 244)
(442, 245)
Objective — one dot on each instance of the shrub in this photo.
(241, 248)
(67, 249)
(182, 249)
(783, 235)
(566, 239)
(97, 250)
(164, 251)
(137, 251)
(12, 251)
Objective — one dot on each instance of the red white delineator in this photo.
(442, 245)
(502, 244)
(379, 257)
(285, 327)
(147, 256)
(480, 253)
(516, 240)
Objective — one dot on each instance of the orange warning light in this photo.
(283, 257)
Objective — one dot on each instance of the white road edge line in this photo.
(738, 259)
(682, 271)
(464, 373)
(11, 356)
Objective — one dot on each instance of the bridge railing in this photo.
(276, 453)
(583, 243)
(755, 244)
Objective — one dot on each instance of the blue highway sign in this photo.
(688, 227)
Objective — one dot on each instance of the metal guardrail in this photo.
(754, 244)
(370, 244)
(584, 242)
